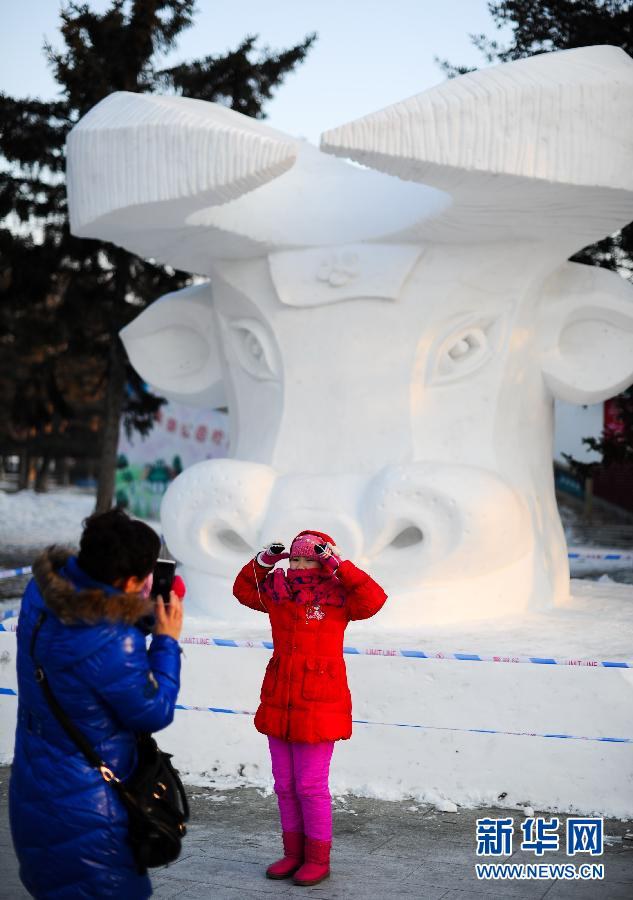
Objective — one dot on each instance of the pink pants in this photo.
(301, 774)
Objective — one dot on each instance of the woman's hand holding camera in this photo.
(169, 618)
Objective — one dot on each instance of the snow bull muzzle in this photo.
(428, 530)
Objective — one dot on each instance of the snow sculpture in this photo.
(388, 340)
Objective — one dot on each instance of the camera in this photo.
(277, 547)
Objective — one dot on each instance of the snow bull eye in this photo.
(463, 349)
(254, 348)
(468, 346)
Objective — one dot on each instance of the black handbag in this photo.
(154, 795)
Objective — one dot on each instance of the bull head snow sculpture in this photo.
(388, 339)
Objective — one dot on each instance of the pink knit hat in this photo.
(303, 544)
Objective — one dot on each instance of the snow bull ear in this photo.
(173, 345)
(586, 333)
(144, 162)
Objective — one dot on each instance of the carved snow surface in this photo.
(141, 160)
(587, 333)
(179, 357)
(537, 146)
(310, 201)
(389, 348)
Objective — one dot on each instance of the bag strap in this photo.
(69, 727)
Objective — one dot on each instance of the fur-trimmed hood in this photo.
(88, 605)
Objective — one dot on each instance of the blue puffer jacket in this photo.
(69, 827)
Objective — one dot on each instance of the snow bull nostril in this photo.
(440, 522)
(408, 537)
(233, 541)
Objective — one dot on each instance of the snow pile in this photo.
(30, 520)
(415, 739)
(597, 623)
(544, 721)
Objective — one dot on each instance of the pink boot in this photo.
(317, 863)
(292, 858)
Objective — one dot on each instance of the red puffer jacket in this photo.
(304, 694)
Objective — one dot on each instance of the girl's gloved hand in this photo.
(272, 554)
(327, 557)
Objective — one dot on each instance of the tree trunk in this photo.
(588, 510)
(23, 472)
(62, 471)
(41, 479)
(115, 392)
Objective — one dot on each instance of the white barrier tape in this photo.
(600, 553)
(13, 573)
(566, 737)
(223, 710)
(421, 654)
(203, 640)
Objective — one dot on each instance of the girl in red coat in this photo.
(305, 701)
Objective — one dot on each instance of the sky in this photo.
(369, 53)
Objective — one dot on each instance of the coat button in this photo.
(290, 706)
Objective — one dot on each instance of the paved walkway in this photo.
(381, 849)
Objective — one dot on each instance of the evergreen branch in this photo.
(32, 133)
(236, 79)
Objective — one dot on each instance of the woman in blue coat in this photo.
(69, 827)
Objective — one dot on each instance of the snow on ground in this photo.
(597, 623)
(543, 745)
(30, 520)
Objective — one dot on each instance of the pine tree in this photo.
(64, 300)
(541, 26)
(615, 444)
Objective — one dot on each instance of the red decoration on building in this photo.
(613, 423)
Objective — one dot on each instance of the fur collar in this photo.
(87, 606)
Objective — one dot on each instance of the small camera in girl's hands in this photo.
(164, 572)
(276, 547)
(272, 554)
(327, 556)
